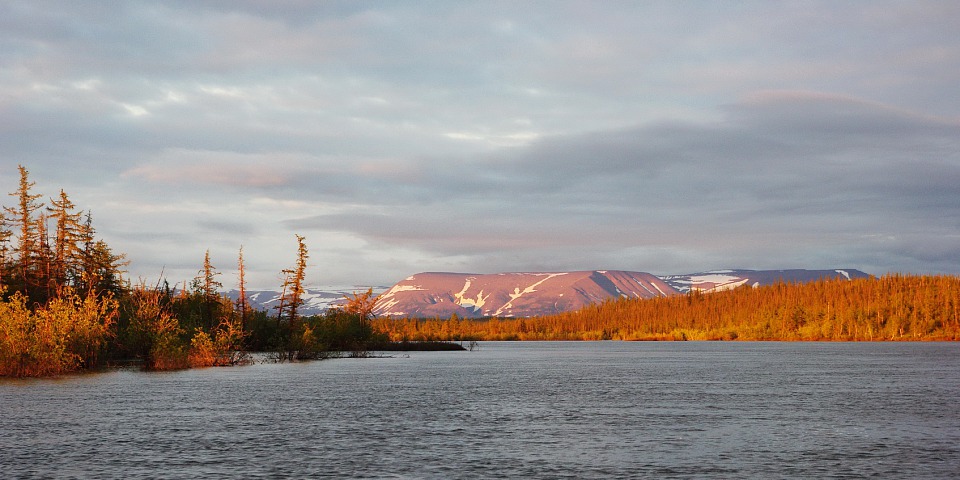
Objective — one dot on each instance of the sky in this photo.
(400, 137)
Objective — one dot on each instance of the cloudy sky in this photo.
(399, 137)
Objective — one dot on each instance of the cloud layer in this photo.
(493, 136)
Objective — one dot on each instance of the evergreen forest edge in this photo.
(65, 306)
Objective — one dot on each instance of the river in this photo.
(507, 410)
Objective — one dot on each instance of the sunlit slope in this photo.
(468, 295)
(891, 307)
(719, 280)
(513, 294)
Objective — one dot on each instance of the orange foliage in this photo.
(64, 336)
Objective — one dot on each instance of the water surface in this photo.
(534, 409)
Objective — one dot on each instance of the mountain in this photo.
(315, 300)
(512, 294)
(718, 280)
(428, 295)
(469, 295)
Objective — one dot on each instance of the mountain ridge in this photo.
(527, 294)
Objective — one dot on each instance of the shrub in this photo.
(66, 335)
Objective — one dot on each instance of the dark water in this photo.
(509, 410)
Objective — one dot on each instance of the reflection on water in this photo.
(548, 410)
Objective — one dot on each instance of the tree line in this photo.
(891, 307)
(66, 306)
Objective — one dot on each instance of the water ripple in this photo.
(540, 410)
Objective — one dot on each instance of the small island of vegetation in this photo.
(65, 305)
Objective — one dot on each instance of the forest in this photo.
(892, 307)
(65, 305)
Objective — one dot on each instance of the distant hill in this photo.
(428, 295)
(470, 295)
(315, 300)
(718, 280)
(512, 294)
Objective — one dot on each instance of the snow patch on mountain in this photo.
(316, 300)
(715, 282)
(476, 304)
(515, 294)
(530, 289)
(719, 280)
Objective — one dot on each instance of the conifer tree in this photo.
(4, 248)
(99, 269)
(207, 286)
(242, 306)
(292, 296)
(361, 304)
(103, 270)
(68, 237)
(43, 264)
(23, 216)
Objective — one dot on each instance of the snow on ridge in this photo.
(644, 286)
(475, 304)
(723, 286)
(387, 305)
(466, 285)
(517, 293)
(401, 288)
(513, 294)
(654, 285)
(714, 277)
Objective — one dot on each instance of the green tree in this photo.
(102, 269)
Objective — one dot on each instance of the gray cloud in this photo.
(798, 170)
(495, 135)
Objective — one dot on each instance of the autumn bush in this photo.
(68, 334)
(156, 334)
